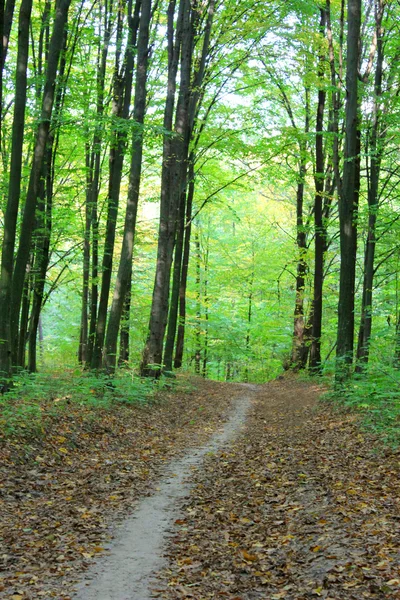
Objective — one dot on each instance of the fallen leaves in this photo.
(301, 506)
(60, 492)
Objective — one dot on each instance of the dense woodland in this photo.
(212, 185)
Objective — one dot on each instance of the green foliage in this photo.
(376, 396)
(35, 398)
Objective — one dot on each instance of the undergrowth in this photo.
(376, 396)
(37, 399)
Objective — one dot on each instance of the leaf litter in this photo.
(302, 505)
(60, 493)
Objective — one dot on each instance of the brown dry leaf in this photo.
(60, 492)
(321, 518)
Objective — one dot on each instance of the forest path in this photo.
(290, 499)
(302, 504)
(139, 542)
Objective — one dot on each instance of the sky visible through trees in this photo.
(208, 185)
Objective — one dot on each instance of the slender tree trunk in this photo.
(348, 199)
(396, 358)
(8, 9)
(44, 211)
(299, 355)
(206, 306)
(249, 318)
(376, 142)
(11, 215)
(172, 186)
(194, 104)
(176, 278)
(300, 338)
(122, 100)
(55, 47)
(94, 291)
(180, 340)
(42, 256)
(84, 332)
(125, 265)
(23, 329)
(319, 225)
(197, 356)
(123, 358)
(93, 191)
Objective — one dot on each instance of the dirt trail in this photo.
(138, 545)
(288, 500)
(302, 505)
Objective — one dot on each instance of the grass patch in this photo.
(37, 399)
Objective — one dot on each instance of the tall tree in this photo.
(14, 190)
(375, 148)
(348, 198)
(180, 45)
(18, 279)
(319, 225)
(122, 94)
(125, 264)
(196, 96)
(93, 154)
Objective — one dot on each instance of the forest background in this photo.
(210, 186)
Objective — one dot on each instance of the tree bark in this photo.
(197, 354)
(8, 15)
(121, 105)
(42, 256)
(124, 349)
(376, 141)
(176, 277)
(172, 184)
(180, 338)
(319, 225)
(11, 215)
(299, 349)
(206, 310)
(92, 194)
(125, 264)
(348, 199)
(55, 48)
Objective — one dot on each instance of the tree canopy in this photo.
(207, 185)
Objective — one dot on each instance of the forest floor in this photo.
(295, 502)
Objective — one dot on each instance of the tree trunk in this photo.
(180, 338)
(172, 182)
(123, 358)
(55, 48)
(125, 265)
(84, 331)
(197, 354)
(206, 310)
(176, 278)
(121, 105)
(92, 194)
(42, 256)
(11, 215)
(319, 225)
(376, 141)
(348, 199)
(299, 350)
(8, 15)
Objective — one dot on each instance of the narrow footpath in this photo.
(138, 546)
(236, 492)
(303, 504)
